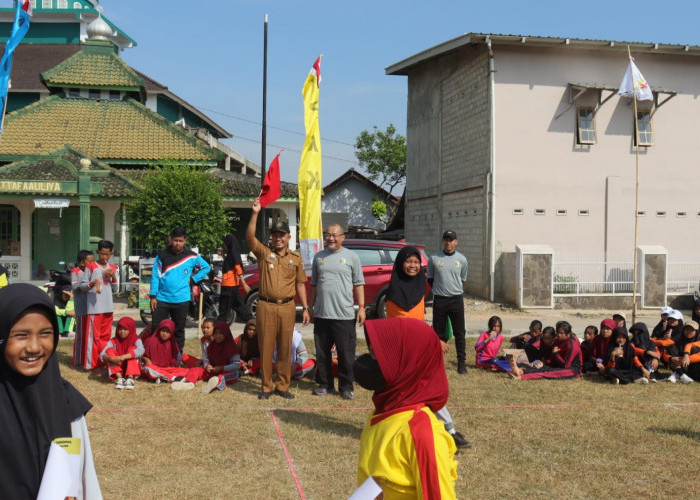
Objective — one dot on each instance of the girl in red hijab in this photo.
(122, 354)
(404, 447)
(162, 356)
(222, 361)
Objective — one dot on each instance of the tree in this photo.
(383, 156)
(178, 195)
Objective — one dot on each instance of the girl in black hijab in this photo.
(646, 350)
(232, 276)
(406, 293)
(623, 365)
(36, 404)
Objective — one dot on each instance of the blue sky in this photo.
(210, 54)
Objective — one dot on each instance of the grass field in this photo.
(532, 439)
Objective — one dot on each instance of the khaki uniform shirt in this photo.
(279, 274)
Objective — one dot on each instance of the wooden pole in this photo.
(636, 191)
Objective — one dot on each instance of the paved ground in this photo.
(478, 313)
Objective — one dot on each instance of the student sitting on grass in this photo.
(488, 345)
(122, 354)
(588, 361)
(664, 339)
(162, 356)
(403, 446)
(37, 406)
(564, 361)
(207, 337)
(249, 348)
(221, 363)
(599, 345)
(529, 341)
(623, 365)
(301, 363)
(660, 327)
(619, 320)
(645, 349)
(684, 355)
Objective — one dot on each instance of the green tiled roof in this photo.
(63, 166)
(95, 66)
(114, 131)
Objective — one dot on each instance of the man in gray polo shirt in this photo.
(336, 273)
(447, 272)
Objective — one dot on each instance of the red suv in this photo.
(377, 258)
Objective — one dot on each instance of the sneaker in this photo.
(120, 383)
(347, 395)
(615, 381)
(673, 378)
(157, 381)
(210, 385)
(686, 379)
(264, 395)
(460, 440)
(129, 384)
(284, 394)
(642, 381)
(462, 369)
(322, 391)
(182, 386)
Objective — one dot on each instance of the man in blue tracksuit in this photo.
(170, 283)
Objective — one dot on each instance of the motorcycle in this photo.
(59, 280)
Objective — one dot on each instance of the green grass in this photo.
(532, 439)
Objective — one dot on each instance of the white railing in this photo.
(580, 274)
(683, 275)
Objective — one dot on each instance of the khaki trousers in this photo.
(275, 327)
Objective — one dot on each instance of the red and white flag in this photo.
(272, 187)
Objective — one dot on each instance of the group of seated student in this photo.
(155, 356)
(612, 351)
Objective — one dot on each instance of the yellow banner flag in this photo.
(310, 170)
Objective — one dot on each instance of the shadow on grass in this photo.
(317, 421)
(694, 435)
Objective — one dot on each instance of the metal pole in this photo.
(263, 160)
(636, 193)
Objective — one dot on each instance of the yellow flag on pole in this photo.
(310, 170)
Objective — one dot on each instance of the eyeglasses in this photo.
(335, 236)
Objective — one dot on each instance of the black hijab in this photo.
(640, 337)
(233, 253)
(628, 355)
(33, 410)
(406, 291)
(696, 317)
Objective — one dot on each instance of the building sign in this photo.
(39, 186)
(52, 203)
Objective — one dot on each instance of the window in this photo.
(9, 227)
(583, 213)
(661, 214)
(47, 4)
(77, 5)
(540, 211)
(586, 126)
(681, 214)
(368, 257)
(561, 211)
(62, 4)
(115, 95)
(641, 213)
(518, 211)
(646, 137)
(73, 93)
(94, 94)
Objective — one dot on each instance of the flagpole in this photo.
(263, 148)
(636, 191)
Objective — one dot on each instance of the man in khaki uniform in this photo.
(281, 276)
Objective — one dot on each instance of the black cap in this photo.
(280, 225)
(66, 288)
(449, 235)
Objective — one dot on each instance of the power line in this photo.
(258, 141)
(270, 126)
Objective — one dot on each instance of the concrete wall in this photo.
(447, 158)
(541, 166)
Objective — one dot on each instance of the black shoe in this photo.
(462, 369)
(264, 395)
(347, 395)
(284, 394)
(461, 441)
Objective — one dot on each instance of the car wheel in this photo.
(252, 302)
(381, 307)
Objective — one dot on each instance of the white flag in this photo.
(634, 83)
